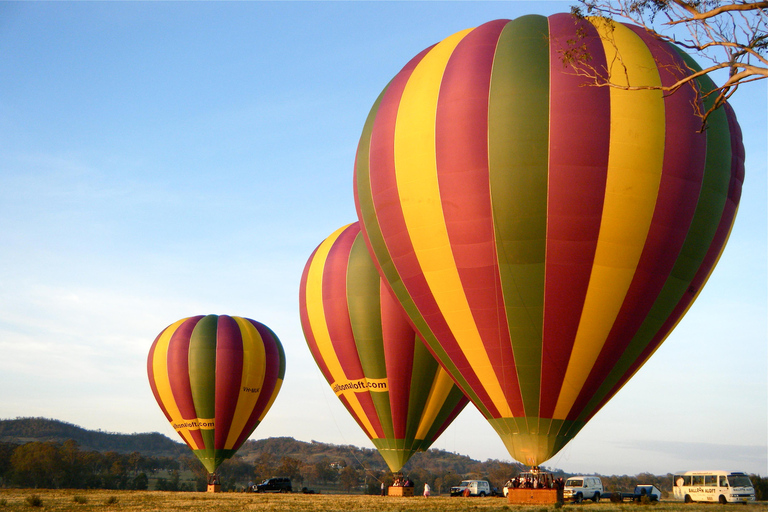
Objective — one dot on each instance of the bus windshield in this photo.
(739, 481)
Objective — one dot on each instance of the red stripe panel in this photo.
(462, 167)
(737, 156)
(683, 170)
(388, 212)
(578, 160)
(337, 318)
(229, 374)
(178, 373)
(398, 337)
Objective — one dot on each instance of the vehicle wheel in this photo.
(579, 498)
(596, 497)
(482, 494)
(688, 498)
(722, 500)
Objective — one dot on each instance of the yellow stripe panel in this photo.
(416, 175)
(163, 383)
(254, 367)
(316, 316)
(441, 386)
(634, 173)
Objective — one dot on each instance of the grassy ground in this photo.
(114, 501)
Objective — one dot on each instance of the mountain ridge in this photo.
(22, 430)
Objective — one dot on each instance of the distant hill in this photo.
(24, 430)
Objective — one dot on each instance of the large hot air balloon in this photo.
(215, 377)
(543, 234)
(369, 354)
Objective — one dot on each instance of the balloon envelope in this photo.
(543, 235)
(215, 377)
(369, 354)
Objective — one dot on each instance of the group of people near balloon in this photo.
(542, 481)
(402, 482)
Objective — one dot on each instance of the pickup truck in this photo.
(651, 491)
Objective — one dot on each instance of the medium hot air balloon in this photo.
(545, 235)
(215, 377)
(369, 354)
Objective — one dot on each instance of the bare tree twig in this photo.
(731, 34)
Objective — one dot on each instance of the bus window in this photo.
(723, 481)
(710, 480)
(698, 480)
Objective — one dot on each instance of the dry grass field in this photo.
(28, 500)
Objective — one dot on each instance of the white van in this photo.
(476, 488)
(721, 486)
(579, 488)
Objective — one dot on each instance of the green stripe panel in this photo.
(202, 369)
(421, 383)
(363, 287)
(518, 162)
(394, 452)
(211, 459)
(714, 193)
(363, 196)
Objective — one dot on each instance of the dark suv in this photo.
(275, 484)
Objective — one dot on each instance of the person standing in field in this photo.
(426, 490)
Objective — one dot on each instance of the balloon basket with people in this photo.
(534, 487)
(214, 484)
(401, 486)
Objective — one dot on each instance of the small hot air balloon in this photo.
(369, 354)
(215, 377)
(544, 235)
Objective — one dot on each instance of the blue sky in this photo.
(165, 159)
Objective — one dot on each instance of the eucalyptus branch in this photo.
(721, 9)
(731, 34)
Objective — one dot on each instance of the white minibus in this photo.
(711, 486)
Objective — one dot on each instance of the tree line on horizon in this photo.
(42, 453)
(57, 465)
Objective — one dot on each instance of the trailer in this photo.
(641, 491)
